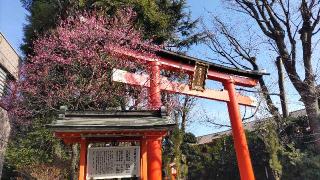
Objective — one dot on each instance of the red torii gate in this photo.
(199, 70)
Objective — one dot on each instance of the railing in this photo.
(113, 162)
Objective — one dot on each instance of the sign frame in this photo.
(199, 76)
(116, 157)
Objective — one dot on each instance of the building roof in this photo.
(209, 137)
(249, 126)
(112, 120)
(213, 66)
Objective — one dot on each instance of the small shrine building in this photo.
(115, 144)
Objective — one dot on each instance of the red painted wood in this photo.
(174, 65)
(154, 159)
(75, 137)
(144, 159)
(83, 159)
(175, 87)
(240, 142)
(154, 90)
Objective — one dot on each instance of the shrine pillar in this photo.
(83, 159)
(239, 137)
(143, 159)
(154, 158)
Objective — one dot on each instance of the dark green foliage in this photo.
(300, 160)
(171, 150)
(158, 19)
(189, 138)
(43, 15)
(35, 147)
(297, 131)
(268, 133)
(306, 167)
(38, 145)
(295, 159)
(162, 21)
(217, 160)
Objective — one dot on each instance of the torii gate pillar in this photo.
(154, 90)
(239, 137)
(154, 143)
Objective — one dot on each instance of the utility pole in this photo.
(283, 96)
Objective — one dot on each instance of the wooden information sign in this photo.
(113, 162)
(199, 76)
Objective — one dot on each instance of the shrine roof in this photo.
(111, 120)
(255, 74)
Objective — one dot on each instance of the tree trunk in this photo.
(4, 136)
(183, 122)
(74, 161)
(272, 108)
(184, 113)
(312, 108)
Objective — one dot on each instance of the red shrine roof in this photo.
(78, 121)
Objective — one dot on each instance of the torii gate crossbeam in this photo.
(227, 76)
(178, 65)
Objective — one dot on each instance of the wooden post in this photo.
(154, 158)
(144, 160)
(83, 159)
(239, 137)
(283, 96)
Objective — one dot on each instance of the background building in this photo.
(9, 64)
(248, 126)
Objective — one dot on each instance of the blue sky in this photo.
(206, 9)
(13, 17)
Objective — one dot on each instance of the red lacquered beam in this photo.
(175, 87)
(170, 64)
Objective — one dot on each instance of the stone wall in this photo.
(4, 135)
